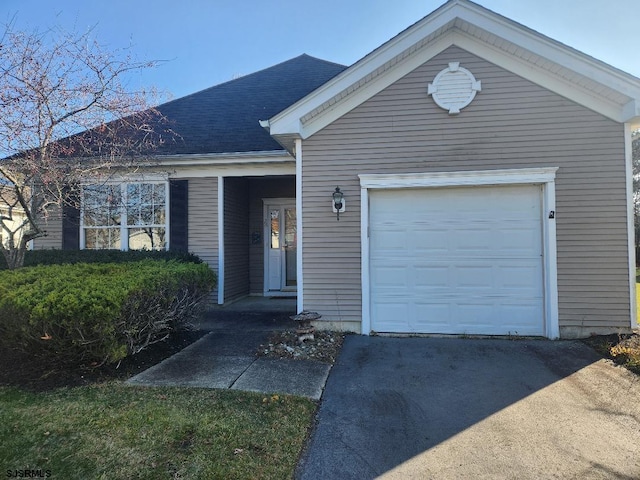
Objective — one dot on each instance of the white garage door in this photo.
(457, 260)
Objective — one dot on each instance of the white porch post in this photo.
(300, 278)
(220, 240)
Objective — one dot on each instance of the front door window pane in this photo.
(290, 247)
(275, 228)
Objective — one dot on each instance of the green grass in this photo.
(113, 431)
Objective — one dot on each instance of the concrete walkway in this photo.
(450, 408)
(225, 356)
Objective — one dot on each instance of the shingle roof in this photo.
(224, 118)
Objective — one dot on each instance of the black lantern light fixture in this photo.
(338, 202)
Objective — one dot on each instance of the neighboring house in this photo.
(486, 173)
(13, 217)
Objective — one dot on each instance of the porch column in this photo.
(220, 240)
(300, 277)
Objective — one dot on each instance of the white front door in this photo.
(280, 248)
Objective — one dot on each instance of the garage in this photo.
(457, 260)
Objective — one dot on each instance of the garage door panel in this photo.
(391, 277)
(431, 316)
(469, 241)
(431, 277)
(423, 240)
(390, 316)
(457, 260)
(475, 316)
(523, 240)
(473, 277)
(523, 277)
(386, 242)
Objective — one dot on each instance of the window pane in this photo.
(146, 193)
(275, 228)
(159, 196)
(101, 205)
(90, 217)
(102, 238)
(113, 217)
(133, 193)
(147, 239)
(146, 215)
(159, 215)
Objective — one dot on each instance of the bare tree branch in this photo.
(65, 114)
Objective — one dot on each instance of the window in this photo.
(126, 216)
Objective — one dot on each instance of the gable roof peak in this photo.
(484, 33)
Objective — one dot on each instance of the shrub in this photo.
(56, 257)
(98, 312)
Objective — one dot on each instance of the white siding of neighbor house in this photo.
(13, 224)
(203, 220)
(512, 123)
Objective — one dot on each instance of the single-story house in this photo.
(482, 174)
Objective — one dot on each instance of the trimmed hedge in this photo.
(57, 257)
(98, 312)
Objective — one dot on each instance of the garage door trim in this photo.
(544, 176)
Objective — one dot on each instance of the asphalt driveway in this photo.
(474, 408)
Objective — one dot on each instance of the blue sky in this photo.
(206, 42)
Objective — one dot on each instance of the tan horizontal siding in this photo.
(203, 220)
(236, 237)
(512, 123)
(53, 226)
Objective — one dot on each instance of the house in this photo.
(485, 174)
(12, 217)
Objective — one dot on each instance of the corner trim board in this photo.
(628, 152)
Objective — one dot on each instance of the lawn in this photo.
(114, 431)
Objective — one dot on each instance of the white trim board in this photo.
(630, 226)
(203, 171)
(544, 176)
(234, 158)
(459, 178)
(298, 152)
(220, 240)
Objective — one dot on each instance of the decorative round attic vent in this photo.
(454, 88)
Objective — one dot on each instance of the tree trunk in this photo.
(15, 256)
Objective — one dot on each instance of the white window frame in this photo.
(124, 227)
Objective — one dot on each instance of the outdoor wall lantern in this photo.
(338, 202)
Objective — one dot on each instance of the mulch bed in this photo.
(33, 373)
